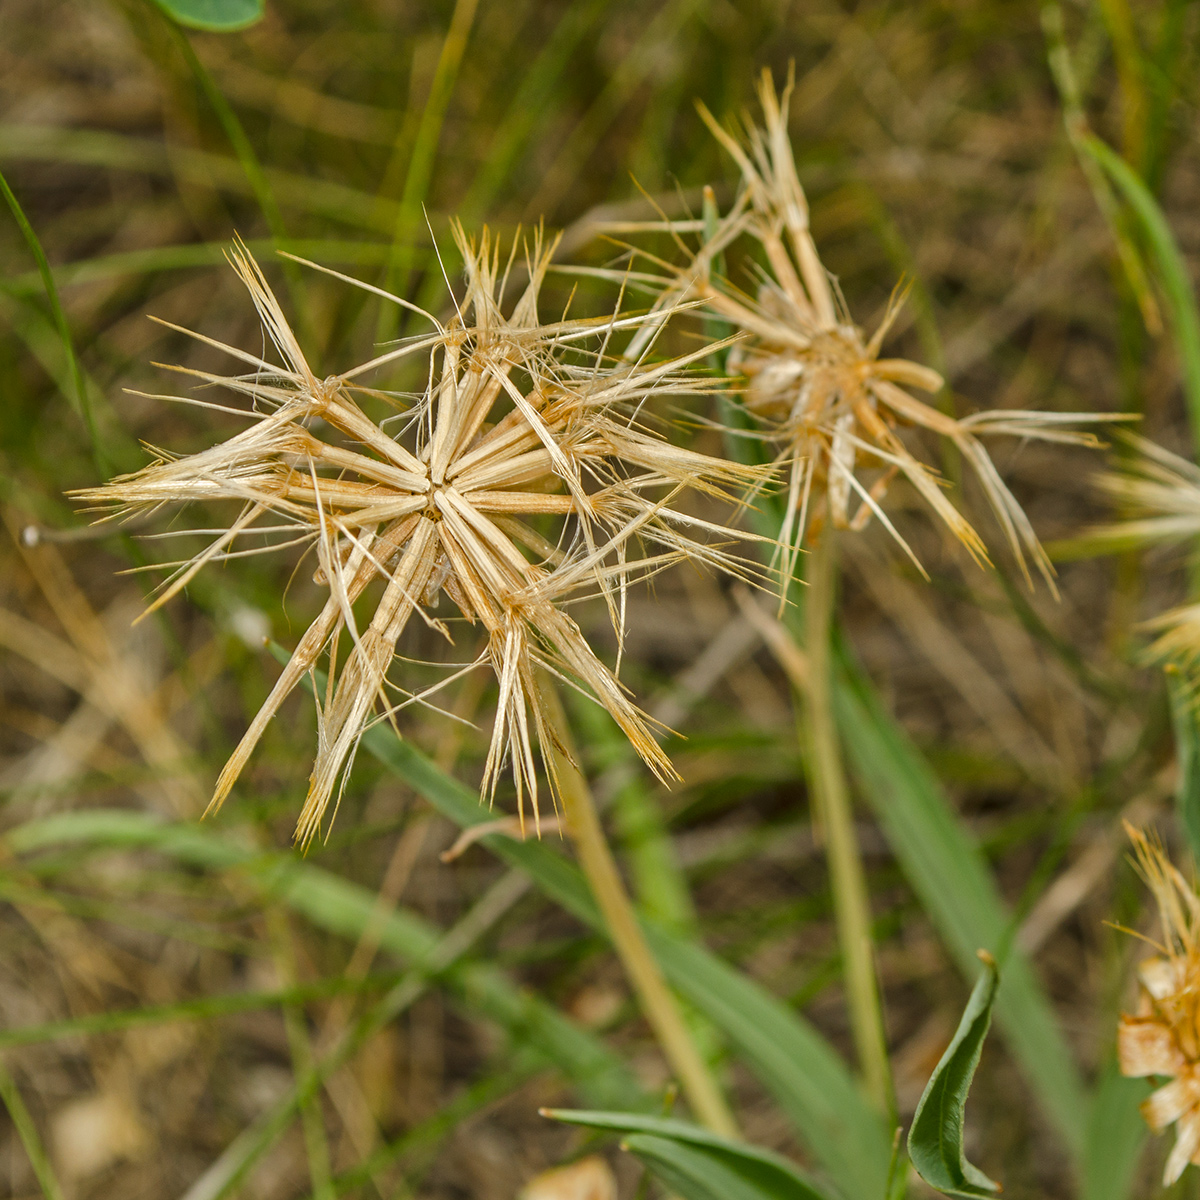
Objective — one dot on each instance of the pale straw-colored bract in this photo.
(519, 425)
(1163, 1037)
(816, 385)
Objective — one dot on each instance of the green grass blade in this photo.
(341, 907)
(200, 254)
(956, 888)
(419, 175)
(98, 148)
(77, 396)
(202, 1008)
(1172, 271)
(806, 1076)
(532, 102)
(27, 1132)
(1116, 1136)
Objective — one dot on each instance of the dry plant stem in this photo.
(828, 780)
(641, 967)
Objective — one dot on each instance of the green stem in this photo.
(10, 1094)
(641, 967)
(832, 800)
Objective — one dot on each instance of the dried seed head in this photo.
(1163, 1036)
(1158, 495)
(518, 425)
(815, 382)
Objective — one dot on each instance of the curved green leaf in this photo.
(697, 1164)
(935, 1141)
(214, 16)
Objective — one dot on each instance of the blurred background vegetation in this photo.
(165, 987)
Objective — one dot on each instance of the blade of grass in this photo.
(343, 908)
(199, 254)
(1172, 271)
(27, 1132)
(792, 1059)
(90, 147)
(531, 103)
(1075, 120)
(419, 174)
(203, 1008)
(77, 396)
(642, 58)
(956, 889)
(1116, 1135)
(263, 194)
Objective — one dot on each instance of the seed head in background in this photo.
(1158, 496)
(814, 382)
(519, 424)
(1163, 1036)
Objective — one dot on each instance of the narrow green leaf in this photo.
(935, 1140)
(804, 1073)
(697, 1164)
(953, 882)
(78, 395)
(10, 1094)
(1116, 1135)
(1172, 271)
(214, 16)
(1185, 719)
(344, 908)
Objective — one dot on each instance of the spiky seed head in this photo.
(518, 425)
(1163, 1037)
(816, 383)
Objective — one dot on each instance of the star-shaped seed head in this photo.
(525, 476)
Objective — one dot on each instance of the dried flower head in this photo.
(1158, 495)
(517, 426)
(1163, 1037)
(815, 382)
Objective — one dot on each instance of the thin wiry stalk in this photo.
(595, 857)
(519, 422)
(831, 798)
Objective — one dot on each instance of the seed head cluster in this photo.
(524, 477)
(1163, 1037)
(815, 383)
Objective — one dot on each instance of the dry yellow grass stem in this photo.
(1163, 1037)
(518, 424)
(814, 381)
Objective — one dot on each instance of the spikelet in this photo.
(815, 382)
(1163, 1037)
(518, 424)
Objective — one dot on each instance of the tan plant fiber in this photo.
(518, 425)
(1158, 494)
(1163, 1036)
(815, 383)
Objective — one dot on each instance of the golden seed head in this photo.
(1163, 1037)
(815, 382)
(520, 423)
